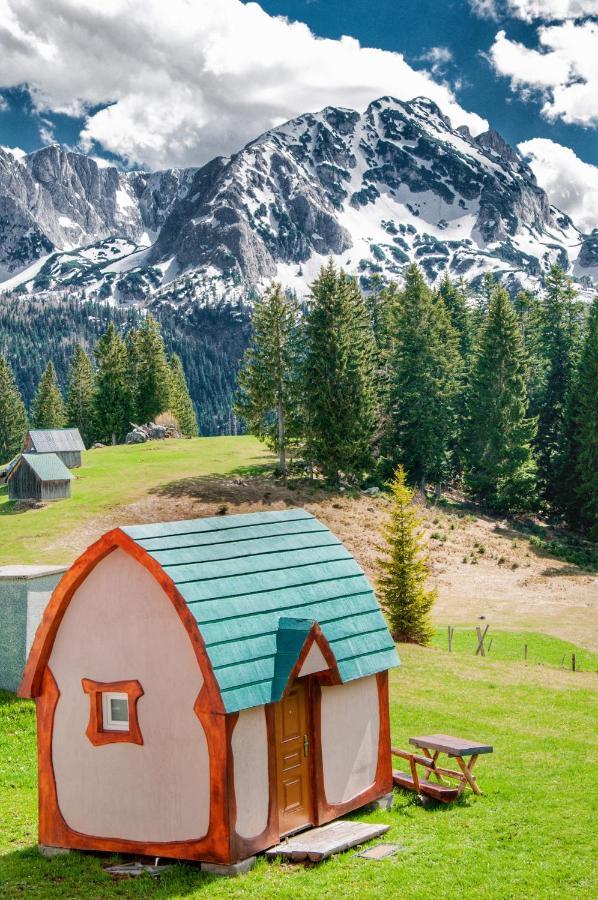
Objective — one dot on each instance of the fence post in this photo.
(573, 662)
(450, 638)
(525, 652)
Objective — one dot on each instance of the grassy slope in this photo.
(542, 649)
(530, 835)
(114, 477)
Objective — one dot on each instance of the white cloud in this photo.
(570, 183)
(530, 10)
(187, 80)
(437, 56)
(3, 104)
(564, 70)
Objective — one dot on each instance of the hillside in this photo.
(482, 566)
(394, 184)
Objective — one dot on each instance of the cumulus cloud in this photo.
(181, 82)
(570, 183)
(438, 57)
(3, 104)
(563, 72)
(530, 10)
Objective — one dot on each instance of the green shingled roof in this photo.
(255, 585)
(48, 466)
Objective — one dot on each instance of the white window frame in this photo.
(108, 723)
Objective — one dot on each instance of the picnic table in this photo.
(464, 752)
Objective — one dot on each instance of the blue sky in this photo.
(155, 84)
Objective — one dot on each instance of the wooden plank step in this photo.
(437, 791)
(318, 844)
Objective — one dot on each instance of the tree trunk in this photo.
(282, 457)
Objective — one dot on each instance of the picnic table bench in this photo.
(464, 752)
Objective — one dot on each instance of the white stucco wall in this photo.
(350, 734)
(250, 755)
(314, 662)
(119, 626)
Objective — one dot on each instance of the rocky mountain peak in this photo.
(375, 189)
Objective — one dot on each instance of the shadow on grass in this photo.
(26, 872)
(245, 484)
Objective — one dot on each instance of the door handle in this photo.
(305, 745)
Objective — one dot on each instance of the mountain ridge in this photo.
(375, 190)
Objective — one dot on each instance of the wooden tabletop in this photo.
(453, 746)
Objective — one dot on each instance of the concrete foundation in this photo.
(240, 868)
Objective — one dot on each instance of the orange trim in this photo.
(331, 674)
(95, 730)
(383, 783)
(63, 593)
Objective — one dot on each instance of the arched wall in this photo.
(120, 625)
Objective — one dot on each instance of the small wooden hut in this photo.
(66, 443)
(39, 477)
(205, 687)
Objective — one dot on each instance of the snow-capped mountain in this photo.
(375, 190)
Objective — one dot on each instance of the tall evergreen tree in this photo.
(80, 402)
(48, 406)
(152, 371)
(13, 418)
(402, 585)
(528, 308)
(426, 373)
(455, 302)
(180, 402)
(502, 471)
(561, 323)
(113, 390)
(268, 395)
(132, 348)
(578, 483)
(339, 377)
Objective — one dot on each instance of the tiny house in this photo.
(39, 477)
(66, 443)
(205, 687)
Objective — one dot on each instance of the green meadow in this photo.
(530, 835)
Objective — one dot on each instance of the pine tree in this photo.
(13, 418)
(131, 346)
(561, 329)
(578, 482)
(268, 381)
(48, 406)
(426, 372)
(180, 402)
(152, 371)
(529, 315)
(80, 405)
(112, 400)
(455, 302)
(502, 471)
(339, 377)
(402, 586)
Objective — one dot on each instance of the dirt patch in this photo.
(480, 566)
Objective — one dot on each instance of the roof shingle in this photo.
(255, 585)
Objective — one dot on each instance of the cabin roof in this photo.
(256, 584)
(47, 466)
(56, 440)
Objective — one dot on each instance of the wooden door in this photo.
(293, 770)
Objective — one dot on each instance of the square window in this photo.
(113, 716)
(115, 711)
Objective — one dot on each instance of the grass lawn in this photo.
(530, 835)
(113, 477)
(542, 649)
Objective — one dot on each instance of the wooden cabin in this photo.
(66, 443)
(39, 477)
(205, 687)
